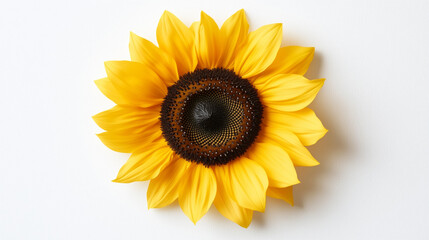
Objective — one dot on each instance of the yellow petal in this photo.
(303, 123)
(208, 43)
(291, 60)
(281, 136)
(163, 190)
(145, 52)
(127, 119)
(289, 92)
(276, 162)
(146, 164)
(227, 206)
(195, 27)
(259, 51)
(126, 142)
(109, 90)
(138, 83)
(197, 191)
(249, 183)
(234, 32)
(177, 40)
(285, 194)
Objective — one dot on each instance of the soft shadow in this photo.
(315, 67)
(326, 107)
(326, 151)
(258, 219)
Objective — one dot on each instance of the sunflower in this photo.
(212, 115)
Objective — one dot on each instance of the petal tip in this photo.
(324, 132)
(149, 206)
(133, 37)
(120, 180)
(245, 225)
(96, 119)
(194, 219)
(260, 207)
(316, 163)
(240, 14)
(167, 14)
(311, 51)
(99, 84)
(204, 17)
(318, 82)
(108, 65)
(277, 26)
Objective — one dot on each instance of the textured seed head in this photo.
(211, 116)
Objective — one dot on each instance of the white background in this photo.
(373, 179)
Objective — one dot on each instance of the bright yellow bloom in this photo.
(212, 115)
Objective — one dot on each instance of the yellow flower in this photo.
(212, 115)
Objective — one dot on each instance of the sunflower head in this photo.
(212, 115)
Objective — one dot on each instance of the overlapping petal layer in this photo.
(285, 194)
(128, 127)
(291, 60)
(303, 123)
(276, 163)
(259, 51)
(178, 41)
(234, 33)
(146, 163)
(164, 189)
(208, 43)
(132, 83)
(145, 52)
(197, 191)
(228, 207)
(281, 136)
(289, 92)
(246, 182)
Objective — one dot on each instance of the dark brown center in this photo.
(211, 116)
